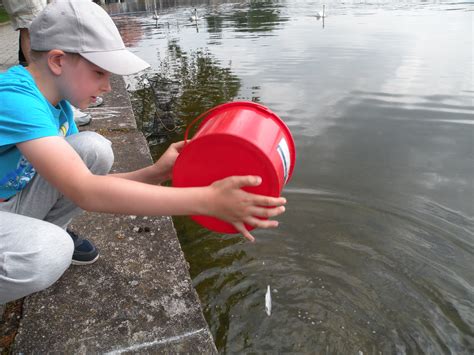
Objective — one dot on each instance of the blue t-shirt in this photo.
(25, 114)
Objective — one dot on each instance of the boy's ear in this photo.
(55, 59)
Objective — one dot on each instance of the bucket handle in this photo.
(186, 134)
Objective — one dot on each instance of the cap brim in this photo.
(121, 62)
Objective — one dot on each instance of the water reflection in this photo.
(376, 249)
(224, 277)
(258, 16)
(136, 6)
(185, 85)
(130, 29)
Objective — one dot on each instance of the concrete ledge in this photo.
(138, 296)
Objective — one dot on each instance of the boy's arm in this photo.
(158, 172)
(68, 173)
(223, 199)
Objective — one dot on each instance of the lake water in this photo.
(375, 253)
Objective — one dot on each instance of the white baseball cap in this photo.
(83, 27)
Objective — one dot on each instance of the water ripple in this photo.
(399, 273)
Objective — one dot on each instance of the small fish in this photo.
(268, 301)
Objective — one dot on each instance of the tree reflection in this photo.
(214, 23)
(260, 16)
(185, 86)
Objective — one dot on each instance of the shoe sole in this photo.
(95, 105)
(79, 263)
(84, 123)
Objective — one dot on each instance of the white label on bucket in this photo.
(284, 152)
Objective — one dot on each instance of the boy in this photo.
(22, 13)
(49, 171)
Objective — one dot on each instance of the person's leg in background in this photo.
(24, 47)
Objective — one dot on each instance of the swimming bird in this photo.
(194, 16)
(321, 14)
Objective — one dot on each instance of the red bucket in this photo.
(236, 138)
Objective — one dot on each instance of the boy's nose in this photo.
(106, 87)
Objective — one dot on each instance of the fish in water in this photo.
(268, 302)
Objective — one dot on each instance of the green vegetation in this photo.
(3, 15)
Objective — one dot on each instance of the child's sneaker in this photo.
(85, 252)
(81, 118)
(97, 102)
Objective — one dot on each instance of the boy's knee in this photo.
(53, 259)
(47, 258)
(95, 151)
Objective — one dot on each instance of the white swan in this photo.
(194, 16)
(321, 15)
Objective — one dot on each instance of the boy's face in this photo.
(81, 81)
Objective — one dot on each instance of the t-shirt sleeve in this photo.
(72, 128)
(70, 119)
(24, 116)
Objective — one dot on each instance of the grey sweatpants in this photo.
(35, 248)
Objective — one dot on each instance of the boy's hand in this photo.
(236, 206)
(165, 164)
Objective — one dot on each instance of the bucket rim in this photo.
(215, 110)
